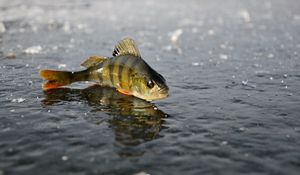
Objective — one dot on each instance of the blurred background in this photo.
(232, 68)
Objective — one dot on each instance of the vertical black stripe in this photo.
(111, 71)
(131, 69)
(121, 68)
(115, 71)
(104, 76)
(100, 77)
(97, 74)
(134, 65)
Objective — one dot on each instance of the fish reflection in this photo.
(133, 120)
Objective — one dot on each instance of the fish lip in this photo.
(163, 96)
(158, 98)
(164, 90)
(164, 93)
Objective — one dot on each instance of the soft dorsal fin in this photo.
(126, 47)
(93, 60)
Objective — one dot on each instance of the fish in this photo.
(126, 71)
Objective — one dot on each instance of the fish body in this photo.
(126, 71)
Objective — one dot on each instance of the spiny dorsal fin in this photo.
(93, 60)
(126, 47)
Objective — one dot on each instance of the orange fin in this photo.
(55, 78)
(52, 84)
(123, 91)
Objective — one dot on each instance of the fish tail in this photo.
(56, 78)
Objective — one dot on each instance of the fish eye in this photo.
(150, 84)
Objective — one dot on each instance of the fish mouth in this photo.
(163, 93)
(164, 90)
(157, 97)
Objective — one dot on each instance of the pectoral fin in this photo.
(123, 91)
(93, 60)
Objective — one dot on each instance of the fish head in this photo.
(151, 86)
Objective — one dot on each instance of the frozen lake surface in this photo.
(232, 66)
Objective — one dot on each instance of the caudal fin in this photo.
(56, 78)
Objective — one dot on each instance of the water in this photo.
(232, 69)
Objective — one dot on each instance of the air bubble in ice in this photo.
(62, 66)
(224, 143)
(270, 55)
(54, 47)
(223, 57)
(141, 173)
(242, 129)
(33, 50)
(211, 32)
(194, 30)
(2, 27)
(223, 46)
(245, 82)
(64, 158)
(18, 100)
(174, 36)
(67, 27)
(245, 15)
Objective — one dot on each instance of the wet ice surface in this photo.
(233, 73)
